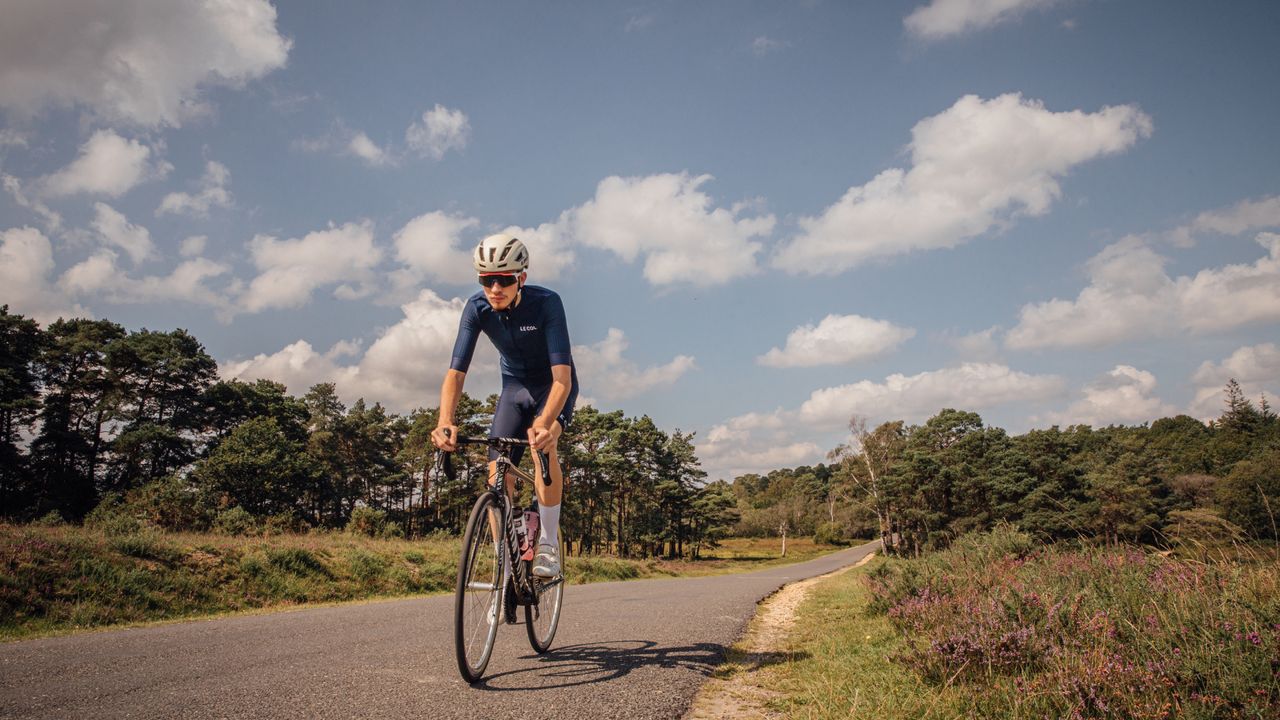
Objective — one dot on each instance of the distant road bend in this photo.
(636, 649)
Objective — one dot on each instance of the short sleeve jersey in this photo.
(530, 338)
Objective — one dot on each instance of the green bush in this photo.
(830, 533)
(235, 521)
(170, 503)
(112, 517)
(50, 519)
(367, 521)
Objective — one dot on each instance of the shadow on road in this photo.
(601, 662)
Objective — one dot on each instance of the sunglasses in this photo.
(502, 280)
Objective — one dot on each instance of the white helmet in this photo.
(501, 253)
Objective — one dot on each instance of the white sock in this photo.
(549, 525)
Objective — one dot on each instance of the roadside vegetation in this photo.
(1000, 625)
(63, 578)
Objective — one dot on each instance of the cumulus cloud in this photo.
(1131, 297)
(669, 221)
(978, 165)
(138, 61)
(837, 340)
(1243, 217)
(972, 386)
(367, 150)
(26, 263)
(1123, 396)
(441, 129)
(401, 369)
(946, 18)
(291, 270)
(193, 245)
(431, 246)
(107, 165)
(607, 375)
(550, 254)
(212, 193)
(13, 186)
(1255, 367)
(114, 229)
(100, 275)
(914, 398)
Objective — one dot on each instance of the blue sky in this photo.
(764, 217)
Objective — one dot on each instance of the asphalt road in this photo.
(636, 649)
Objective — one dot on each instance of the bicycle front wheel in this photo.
(542, 619)
(479, 593)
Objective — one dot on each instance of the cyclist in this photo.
(526, 323)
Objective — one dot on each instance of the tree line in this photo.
(97, 420)
(920, 486)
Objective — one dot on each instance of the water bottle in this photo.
(529, 540)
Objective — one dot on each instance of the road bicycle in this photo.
(488, 585)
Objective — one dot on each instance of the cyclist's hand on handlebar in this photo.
(445, 437)
(544, 439)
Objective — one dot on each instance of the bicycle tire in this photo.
(478, 595)
(542, 620)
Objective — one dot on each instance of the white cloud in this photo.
(970, 386)
(981, 345)
(213, 193)
(914, 398)
(1131, 297)
(1123, 396)
(605, 374)
(100, 276)
(431, 246)
(193, 245)
(764, 45)
(367, 150)
(976, 166)
(290, 270)
(1241, 218)
(944, 18)
(1255, 367)
(12, 185)
(133, 60)
(26, 262)
(670, 221)
(442, 129)
(550, 254)
(115, 229)
(12, 137)
(837, 340)
(725, 461)
(637, 23)
(107, 165)
(402, 369)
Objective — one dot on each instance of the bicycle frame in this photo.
(496, 484)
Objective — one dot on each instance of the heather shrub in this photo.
(1089, 632)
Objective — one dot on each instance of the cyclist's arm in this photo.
(548, 420)
(451, 388)
(450, 392)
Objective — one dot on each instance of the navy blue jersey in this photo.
(531, 337)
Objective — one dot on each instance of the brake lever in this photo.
(546, 466)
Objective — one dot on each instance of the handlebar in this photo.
(444, 459)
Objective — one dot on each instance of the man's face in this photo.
(501, 296)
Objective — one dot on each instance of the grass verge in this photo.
(1001, 627)
(60, 579)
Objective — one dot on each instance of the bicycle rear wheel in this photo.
(542, 619)
(479, 592)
